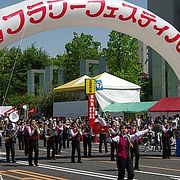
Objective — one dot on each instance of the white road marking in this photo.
(73, 171)
(94, 174)
(158, 174)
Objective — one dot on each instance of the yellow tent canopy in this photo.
(75, 85)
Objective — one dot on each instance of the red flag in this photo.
(32, 110)
(99, 125)
(9, 111)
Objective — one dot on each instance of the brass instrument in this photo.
(79, 133)
(52, 133)
(35, 127)
(14, 117)
(11, 135)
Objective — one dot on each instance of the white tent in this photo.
(116, 90)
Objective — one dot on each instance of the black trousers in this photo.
(135, 153)
(50, 145)
(76, 146)
(58, 144)
(0, 141)
(87, 145)
(102, 139)
(65, 141)
(113, 149)
(33, 147)
(26, 145)
(44, 139)
(10, 148)
(125, 164)
(21, 142)
(166, 149)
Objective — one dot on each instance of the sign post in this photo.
(90, 91)
(91, 108)
(90, 86)
(25, 107)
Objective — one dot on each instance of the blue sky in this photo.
(48, 40)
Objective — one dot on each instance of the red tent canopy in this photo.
(171, 104)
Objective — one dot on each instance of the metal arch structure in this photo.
(31, 17)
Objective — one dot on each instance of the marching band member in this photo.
(87, 141)
(114, 131)
(75, 138)
(1, 136)
(66, 129)
(33, 142)
(166, 139)
(50, 137)
(0, 139)
(58, 137)
(124, 161)
(45, 122)
(103, 138)
(20, 135)
(135, 148)
(9, 136)
(26, 138)
(1, 131)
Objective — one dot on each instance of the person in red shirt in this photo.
(135, 148)
(26, 138)
(20, 135)
(114, 131)
(167, 134)
(87, 139)
(59, 137)
(33, 132)
(51, 133)
(75, 138)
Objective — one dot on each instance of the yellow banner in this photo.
(90, 85)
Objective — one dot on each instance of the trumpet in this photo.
(35, 127)
(11, 135)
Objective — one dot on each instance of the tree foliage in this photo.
(122, 57)
(22, 61)
(80, 48)
(121, 53)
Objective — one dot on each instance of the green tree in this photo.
(9, 59)
(34, 58)
(122, 57)
(21, 61)
(80, 48)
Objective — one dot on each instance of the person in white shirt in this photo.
(76, 134)
(124, 142)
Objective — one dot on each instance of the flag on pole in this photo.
(99, 125)
(9, 111)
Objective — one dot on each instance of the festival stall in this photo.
(113, 90)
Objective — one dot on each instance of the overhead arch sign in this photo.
(34, 16)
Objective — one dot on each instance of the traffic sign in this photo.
(99, 85)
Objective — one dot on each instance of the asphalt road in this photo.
(99, 166)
